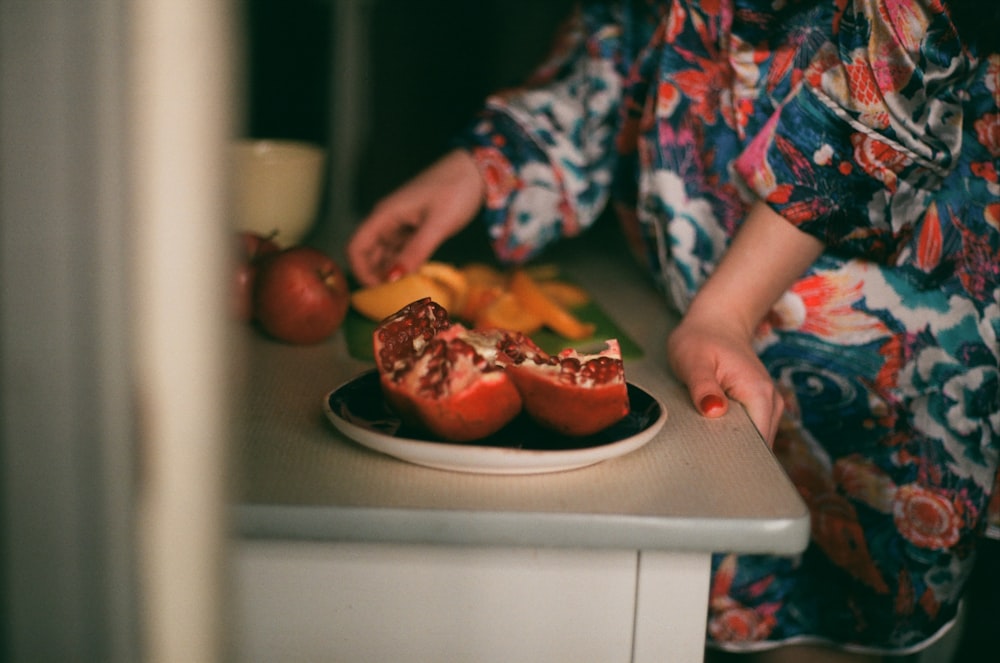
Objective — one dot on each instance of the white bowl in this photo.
(276, 187)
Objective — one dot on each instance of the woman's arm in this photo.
(535, 164)
(853, 170)
(546, 150)
(711, 349)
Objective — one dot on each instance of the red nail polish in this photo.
(395, 272)
(712, 404)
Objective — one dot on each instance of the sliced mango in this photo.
(553, 315)
(477, 298)
(380, 301)
(507, 312)
(524, 300)
(565, 294)
(481, 273)
(451, 278)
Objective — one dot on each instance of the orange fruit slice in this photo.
(506, 312)
(478, 297)
(553, 315)
(565, 294)
(477, 272)
(380, 301)
(451, 278)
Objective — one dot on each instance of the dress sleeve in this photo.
(545, 149)
(855, 153)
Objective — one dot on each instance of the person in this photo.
(814, 184)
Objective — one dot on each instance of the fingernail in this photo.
(712, 404)
(395, 272)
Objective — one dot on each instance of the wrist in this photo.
(767, 255)
(713, 309)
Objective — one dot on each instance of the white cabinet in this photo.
(323, 601)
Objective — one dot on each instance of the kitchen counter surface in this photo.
(699, 486)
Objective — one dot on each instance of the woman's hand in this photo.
(711, 350)
(407, 226)
(716, 360)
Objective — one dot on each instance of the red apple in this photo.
(300, 295)
(252, 247)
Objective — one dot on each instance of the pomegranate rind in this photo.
(484, 407)
(576, 409)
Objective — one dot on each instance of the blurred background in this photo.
(403, 75)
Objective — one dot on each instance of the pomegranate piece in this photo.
(442, 377)
(400, 337)
(571, 393)
(460, 384)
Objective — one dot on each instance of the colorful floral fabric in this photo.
(869, 124)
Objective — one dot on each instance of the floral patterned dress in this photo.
(870, 125)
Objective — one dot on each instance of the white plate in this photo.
(358, 410)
